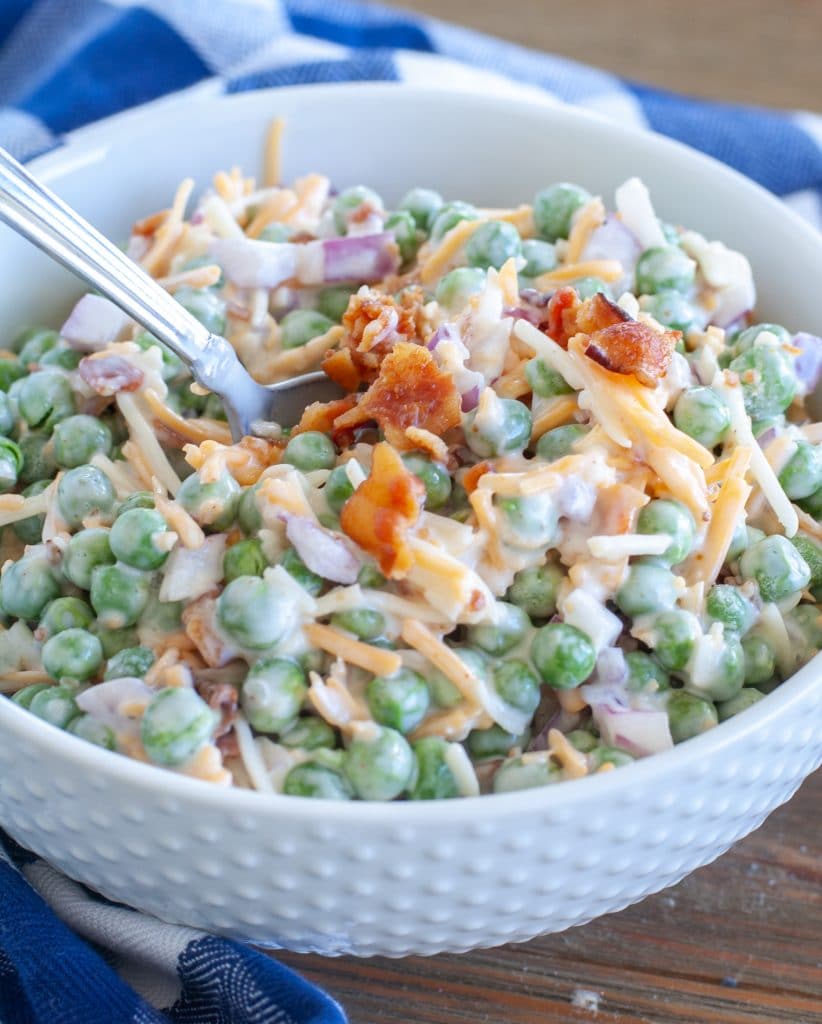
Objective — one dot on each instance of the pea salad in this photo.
(565, 515)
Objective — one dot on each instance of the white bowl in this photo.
(405, 877)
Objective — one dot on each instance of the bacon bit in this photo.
(427, 442)
(633, 348)
(222, 697)
(411, 391)
(562, 316)
(472, 476)
(148, 225)
(598, 312)
(109, 375)
(380, 513)
(374, 323)
(198, 620)
(321, 415)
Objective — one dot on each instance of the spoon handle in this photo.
(33, 210)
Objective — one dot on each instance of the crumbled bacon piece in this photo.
(411, 391)
(321, 416)
(108, 375)
(222, 697)
(562, 316)
(374, 323)
(382, 510)
(227, 744)
(598, 312)
(633, 348)
(201, 628)
(472, 476)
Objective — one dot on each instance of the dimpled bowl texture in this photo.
(404, 877)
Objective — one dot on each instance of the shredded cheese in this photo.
(146, 442)
(585, 221)
(14, 507)
(251, 757)
(272, 157)
(550, 352)
(572, 760)
(606, 270)
(355, 652)
(630, 545)
(553, 412)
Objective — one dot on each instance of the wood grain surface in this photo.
(738, 942)
(749, 51)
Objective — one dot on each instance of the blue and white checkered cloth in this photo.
(64, 63)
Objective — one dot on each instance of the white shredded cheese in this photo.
(582, 610)
(636, 209)
(613, 549)
(457, 759)
(251, 757)
(550, 353)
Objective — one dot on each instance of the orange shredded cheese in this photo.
(355, 652)
(424, 439)
(556, 412)
(572, 760)
(197, 277)
(725, 515)
(170, 231)
(585, 222)
(606, 270)
(272, 156)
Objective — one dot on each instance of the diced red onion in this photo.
(444, 332)
(732, 303)
(521, 313)
(192, 572)
(563, 720)
(360, 258)
(535, 298)
(115, 702)
(470, 399)
(94, 323)
(638, 732)
(322, 551)
(808, 364)
(612, 240)
(250, 263)
(612, 669)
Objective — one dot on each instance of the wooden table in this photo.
(739, 942)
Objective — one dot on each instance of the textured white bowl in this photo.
(409, 877)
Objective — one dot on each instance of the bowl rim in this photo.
(81, 148)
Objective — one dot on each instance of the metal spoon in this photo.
(35, 212)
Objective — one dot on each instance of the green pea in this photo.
(371, 577)
(55, 705)
(338, 489)
(27, 586)
(674, 519)
(811, 505)
(139, 499)
(726, 604)
(675, 637)
(85, 552)
(456, 287)
(309, 734)
(62, 357)
(535, 590)
(253, 612)
(435, 477)
(25, 696)
(671, 309)
(747, 339)
(38, 458)
(530, 522)
(11, 463)
(213, 505)
(499, 637)
(275, 232)
(760, 663)
(30, 530)
(739, 541)
(176, 724)
(554, 209)
(380, 764)
(404, 228)
(648, 587)
(805, 627)
(65, 613)
(301, 325)
(741, 702)
(778, 568)
(525, 772)
(72, 654)
(544, 381)
(726, 676)
(400, 701)
(492, 244)
(811, 552)
(273, 693)
(349, 201)
(602, 755)
(563, 655)
(665, 267)
(540, 257)
(423, 204)
(204, 305)
(517, 685)
(556, 443)
(10, 371)
(33, 345)
(92, 731)
(435, 780)
(309, 451)
(119, 594)
(703, 415)
(364, 623)
(582, 740)
(768, 380)
(645, 675)
(317, 781)
(8, 419)
(248, 515)
(135, 538)
(587, 287)
(130, 661)
(333, 302)
(448, 216)
(244, 558)
(689, 715)
(78, 438)
(493, 742)
(44, 398)
(84, 492)
(296, 567)
(802, 475)
(115, 640)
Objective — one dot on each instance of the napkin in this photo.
(66, 954)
